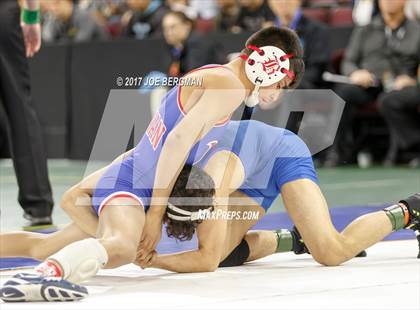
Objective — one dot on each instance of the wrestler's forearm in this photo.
(210, 235)
(84, 217)
(170, 163)
(78, 203)
(190, 261)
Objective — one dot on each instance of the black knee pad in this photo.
(238, 256)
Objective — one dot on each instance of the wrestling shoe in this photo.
(24, 287)
(413, 205)
(299, 246)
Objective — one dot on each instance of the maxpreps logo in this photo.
(156, 130)
(227, 215)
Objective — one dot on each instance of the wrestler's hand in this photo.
(148, 261)
(151, 235)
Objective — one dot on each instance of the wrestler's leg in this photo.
(308, 209)
(40, 246)
(36, 245)
(261, 243)
(120, 229)
(120, 225)
(121, 222)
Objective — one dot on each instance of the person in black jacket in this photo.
(381, 61)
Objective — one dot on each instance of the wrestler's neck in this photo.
(238, 67)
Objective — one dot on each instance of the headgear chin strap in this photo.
(188, 215)
(265, 66)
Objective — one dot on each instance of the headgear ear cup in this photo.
(265, 66)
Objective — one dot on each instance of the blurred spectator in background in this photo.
(188, 49)
(144, 18)
(227, 18)
(254, 15)
(108, 14)
(381, 58)
(313, 37)
(64, 21)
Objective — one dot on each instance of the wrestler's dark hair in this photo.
(285, 39)
(193, 190)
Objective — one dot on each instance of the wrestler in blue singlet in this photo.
(271, 157)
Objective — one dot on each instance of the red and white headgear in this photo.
(265, 66)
